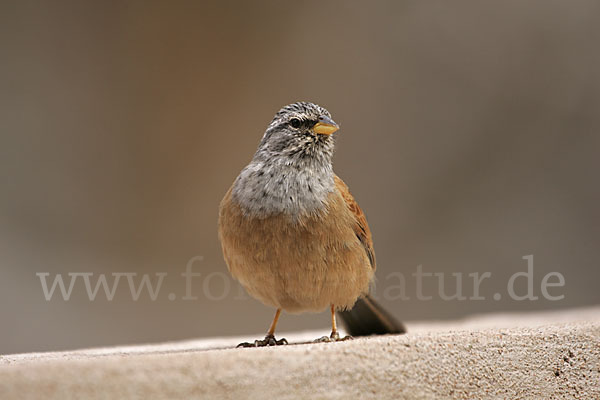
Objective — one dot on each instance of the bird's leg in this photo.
(335, 336)
(269, 339)
(334, 333)
(271, 332)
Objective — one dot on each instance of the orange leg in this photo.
(269, 339)
(334, 332)
(271, 331)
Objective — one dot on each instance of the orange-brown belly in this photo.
(298, 265)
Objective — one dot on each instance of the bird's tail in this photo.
(369, 318)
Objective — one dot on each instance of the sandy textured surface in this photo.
(549, 355)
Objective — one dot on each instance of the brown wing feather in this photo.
(361, 228)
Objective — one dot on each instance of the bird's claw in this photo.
(334, 337)
(269, 340)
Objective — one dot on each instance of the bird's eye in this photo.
(295, 122)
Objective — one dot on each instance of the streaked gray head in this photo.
(299, 130)
(291, 171)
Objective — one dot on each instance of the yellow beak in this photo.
(325, 126)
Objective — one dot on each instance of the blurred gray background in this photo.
(470, 137)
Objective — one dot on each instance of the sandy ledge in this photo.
(541, 355)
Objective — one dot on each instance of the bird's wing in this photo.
(361, 227)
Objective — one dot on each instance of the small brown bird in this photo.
(293, 235)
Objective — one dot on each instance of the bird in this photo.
(292, 234)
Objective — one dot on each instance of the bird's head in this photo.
(299, 131)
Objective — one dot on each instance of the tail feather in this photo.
(367, 317)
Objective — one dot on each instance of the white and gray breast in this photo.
(271, 187)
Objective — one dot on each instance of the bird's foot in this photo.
(334, 337)
(269, 340)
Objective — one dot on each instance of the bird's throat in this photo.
(272, 187)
